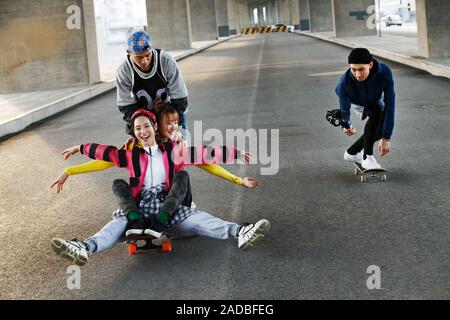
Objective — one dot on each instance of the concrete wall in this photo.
(350, 18)
(203, 22)
(38, 49)
(303, 7)
(433, 28)
(321, 15)
(223, 28)
(169, 24)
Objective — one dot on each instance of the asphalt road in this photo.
(327, 226)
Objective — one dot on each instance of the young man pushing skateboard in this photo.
(367, 88)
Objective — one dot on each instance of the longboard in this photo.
(370, 174)
(148, 241)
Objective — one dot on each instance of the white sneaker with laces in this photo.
(72, 250)
(354, 158)
(249, 234)
(370, 163)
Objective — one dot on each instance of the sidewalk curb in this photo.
(22, 121)
(418, 63)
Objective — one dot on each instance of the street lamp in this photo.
(379, 18)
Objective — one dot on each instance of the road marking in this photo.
(236, 204)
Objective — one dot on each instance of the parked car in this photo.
(276, 26)
(393, 20)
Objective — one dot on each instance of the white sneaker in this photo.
(370, 163)
(153, 233)
(354, 158)
(250, 233)
(72, 250)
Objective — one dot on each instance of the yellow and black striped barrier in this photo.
(264, 29)
(280, 29)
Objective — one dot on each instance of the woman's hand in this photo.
(126, 143)
(177, 137)
(60, 182)
(250, 183)
(71, 151)
(246, 157)
(384, 147)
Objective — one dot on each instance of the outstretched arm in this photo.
(206, 155)
(221, 172)
(87, 167)
(91, 166)
(104, 152)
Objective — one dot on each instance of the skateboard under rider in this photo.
(370, 174)
(148, 241)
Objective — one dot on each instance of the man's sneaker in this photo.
(250, 233)
(150, 227)
(354, 158)
(137, 228)
(72, 250)
(370, 163)
(153, 233)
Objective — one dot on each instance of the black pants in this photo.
(179, 194)
(372, 130)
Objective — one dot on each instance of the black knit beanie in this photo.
(359, 56)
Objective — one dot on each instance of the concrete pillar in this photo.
(264, 19)
(233, 21)
(91, 41)
(169, 24)
(303, 6)
(47, 45)
(203, 22)
(295, 15)
(243, 14)
(260, 15)
(271, 17)
(351, 18)
(283, 10)
(223, 27)
(251, 7)
(433, 25)
(321, 15)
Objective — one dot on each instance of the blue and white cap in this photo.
(139, 42)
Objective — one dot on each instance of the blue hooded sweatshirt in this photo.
(377, 88)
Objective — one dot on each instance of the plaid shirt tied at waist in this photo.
(150, 203)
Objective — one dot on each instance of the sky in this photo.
(391, 6)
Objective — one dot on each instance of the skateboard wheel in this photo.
(166, 246)
(132, 248)
(356, 171)
(363, 179)
(383, 177)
